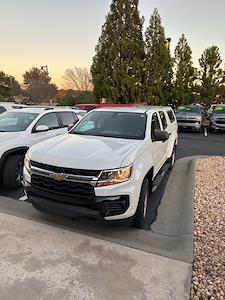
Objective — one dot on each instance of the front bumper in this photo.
(190, 126)
(67, 206)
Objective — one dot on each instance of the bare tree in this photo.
(78, 79)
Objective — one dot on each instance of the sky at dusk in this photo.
(63, 33)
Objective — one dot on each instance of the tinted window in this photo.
(189, 109)
(17, 107)
(2, 109)
(16, 121)
(219, 110)
(171, 116)
(49, 120)
(113, 124)
(163, 119)
(155, 125)
(68, 118)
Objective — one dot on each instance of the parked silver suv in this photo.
(190, 117)
(217, 120)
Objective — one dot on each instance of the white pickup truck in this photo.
(22, 128)
(104, 167)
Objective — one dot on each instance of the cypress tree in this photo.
(117, 68)
(212, 76)
(185, 72)
(158, 67)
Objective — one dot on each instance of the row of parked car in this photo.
(194, 117)
(102, 165)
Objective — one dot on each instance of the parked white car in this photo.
(6, 106)
(104, 167)
(22, 128)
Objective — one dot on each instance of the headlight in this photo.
(27, 163)
(110, 177)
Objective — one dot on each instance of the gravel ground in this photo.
(208, 281)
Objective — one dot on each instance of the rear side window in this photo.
(163, 119)
(171, 116)
(2, 109)
(17, 107)
(68, 118)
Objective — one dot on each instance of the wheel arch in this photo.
(18, 150)
(150, 174)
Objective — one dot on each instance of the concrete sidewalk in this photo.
(38, 261)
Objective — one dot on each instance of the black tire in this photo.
(172, 158)
(140, 215)
(12, 172)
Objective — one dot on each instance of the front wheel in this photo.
(13, 172)
(140, 215)
(172, 158)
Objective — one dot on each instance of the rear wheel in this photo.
(13, 172)
(140, 216)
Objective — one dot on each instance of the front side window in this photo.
(155, 125)
(113, 124)
(163, 119)
(2, 109)
(49, 120)
(16, 121)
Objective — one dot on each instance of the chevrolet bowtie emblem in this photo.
(58, 177)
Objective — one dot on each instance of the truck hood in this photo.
(83, 152)
(188, 116)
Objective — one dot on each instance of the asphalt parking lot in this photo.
(170, 236)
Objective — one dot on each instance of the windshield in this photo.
(113, 124)
(16, 121)
(219, 110)
(188, 109)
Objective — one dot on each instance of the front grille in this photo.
(220, 121)
(83, 191)
(55, 169)
(187, 121)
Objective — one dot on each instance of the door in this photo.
(158, 147)
(51, 120)
(165, 127)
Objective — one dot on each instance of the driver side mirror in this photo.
(160, 136)
(41, 128)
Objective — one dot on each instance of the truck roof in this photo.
(134, 109)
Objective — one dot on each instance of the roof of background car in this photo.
(134, 109)
(39, 110)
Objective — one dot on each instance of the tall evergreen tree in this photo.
(158, 65)
(212, 76)
(117, 68)
(185, 72)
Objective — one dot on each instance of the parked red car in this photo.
(89, 107)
